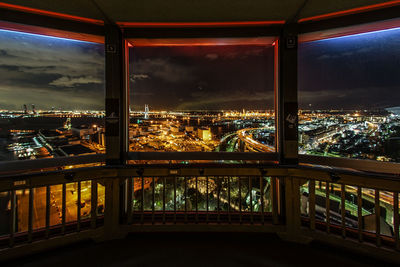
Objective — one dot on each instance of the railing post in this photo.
(292, 212)
(112, 208)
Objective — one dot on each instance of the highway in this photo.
(253, 145)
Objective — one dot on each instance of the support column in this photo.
(286, 88)
(117, 85)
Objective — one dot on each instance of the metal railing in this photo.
(300, 203)
(201, 199)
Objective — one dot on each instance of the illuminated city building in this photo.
(271, 122)
(204, 134)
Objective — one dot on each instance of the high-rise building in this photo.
(204, 134)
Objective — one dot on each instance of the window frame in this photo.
(181, 35)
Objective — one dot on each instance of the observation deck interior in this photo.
(124, 197)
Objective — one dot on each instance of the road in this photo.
(252, 144)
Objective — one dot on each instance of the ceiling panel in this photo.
(194, 10)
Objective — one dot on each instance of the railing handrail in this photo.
(357, 164)
(34, 164)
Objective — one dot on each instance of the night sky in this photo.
(50, 72)
(202, 77)
(356, 72)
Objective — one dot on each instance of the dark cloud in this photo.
(50, 72)
(203, 77)
(357, 71)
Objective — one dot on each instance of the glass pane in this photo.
(86, 199)
(22, 210)
(52, 97)
(202, 193)
(386, 205)
(169, 193)
(202, 98)
(101, 198)
(180, 194)
(351, 206)
(55, 204)
(71, 202)
(137, 194)
(39, 207)
(158, 193)
(267, 194)
(348, 96)
(304, 199)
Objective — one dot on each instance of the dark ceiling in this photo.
(194, 10)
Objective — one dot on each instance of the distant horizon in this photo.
(205, 110)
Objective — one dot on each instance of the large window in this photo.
(205, 98)
(51, 97)
(349, 92)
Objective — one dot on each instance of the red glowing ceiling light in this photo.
(50, 13)
(263, 41)
(351, 11)
(200, 24)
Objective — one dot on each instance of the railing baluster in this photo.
(93, 201)
(30, 215)
(64, 208)
(197, 200)
(129, 199)
(229, 200)
(328, 208)
(343, 209)
(185, 195)
(207, 197)
(262, 198)
(311, 203)
(240, 200)
(218, 196)
(12, 217)
(164, 183)
(274, 199)
(251, 199)
(47, 212)
(78, 217)
(153, 199)
(396, 219)
(142, 204)
(174, 199)
(359, 213)
(377, 218)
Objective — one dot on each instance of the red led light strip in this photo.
(351, 11)
(50, 13)
(200, 24)
(263, 41)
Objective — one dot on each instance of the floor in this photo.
(196, 249)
